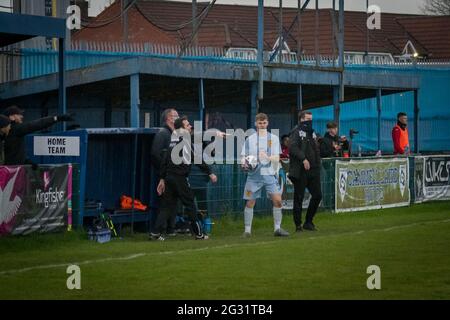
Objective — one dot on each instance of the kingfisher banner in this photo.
(371, 184)
(34, 200)
(431, 179)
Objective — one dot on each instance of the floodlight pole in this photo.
(260, 51)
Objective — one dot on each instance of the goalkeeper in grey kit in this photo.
(260, 157)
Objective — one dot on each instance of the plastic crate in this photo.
(101, 236)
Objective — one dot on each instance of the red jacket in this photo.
(284, 152)
(400, 139)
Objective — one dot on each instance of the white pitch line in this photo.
(143, 254)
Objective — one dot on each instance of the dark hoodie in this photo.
(326, 146)
(160, 144)
(15, 141)
(303, 145)
(168, 167)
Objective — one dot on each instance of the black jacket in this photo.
(326, 146)
(184, 168)
(15, 141)
(303, 145)
(160, 144)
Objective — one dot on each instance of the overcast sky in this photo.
(398, 6)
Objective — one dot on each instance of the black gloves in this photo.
(65, 117)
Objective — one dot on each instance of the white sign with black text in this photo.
(56, 146)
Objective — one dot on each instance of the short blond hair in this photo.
(261, 117)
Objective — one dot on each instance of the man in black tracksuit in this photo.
(160, 143)
(304, 170)
(14, 144)
(174, 182)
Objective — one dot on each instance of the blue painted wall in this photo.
(434, 104)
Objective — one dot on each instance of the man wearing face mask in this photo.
(305, 170)
(400, 135)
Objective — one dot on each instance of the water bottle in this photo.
(359, 150)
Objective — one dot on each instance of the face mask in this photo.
(307, 125)
(403, 126)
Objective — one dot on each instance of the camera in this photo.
(353, 132)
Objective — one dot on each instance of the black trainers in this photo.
(202, 237)
(309, 227)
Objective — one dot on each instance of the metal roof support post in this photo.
(341, 48)
(299, 15)
(299, 106)
(194, 22)
(366, 56)
(280, 32)
(379, 117)
(62, 108)
(253, 106)
(337, 106)
(334, 32)
(260, 49)
(416, 121)
(299, 98)
(125, 21)
(133, 180)
(201, 101)
(134, 100)
(316, 35)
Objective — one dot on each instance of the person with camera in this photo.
(333, 145)
(259, 156)
(14, 144)
(304, 170)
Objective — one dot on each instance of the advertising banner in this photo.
(431, 178)
(33, 200)
(371, 184)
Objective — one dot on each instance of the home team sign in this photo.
(56, 146)
(371, 184)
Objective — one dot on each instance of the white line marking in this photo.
(241, 244)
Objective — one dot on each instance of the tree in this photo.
(436, 7)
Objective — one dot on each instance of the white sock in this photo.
(277, 216)
(248, 218)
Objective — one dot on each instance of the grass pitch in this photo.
(411, 245)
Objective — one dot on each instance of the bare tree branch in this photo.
(436, 7)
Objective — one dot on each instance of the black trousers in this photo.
(156, 203)
(309, 179)
(177, 188)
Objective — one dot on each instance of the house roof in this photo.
(236, 26)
